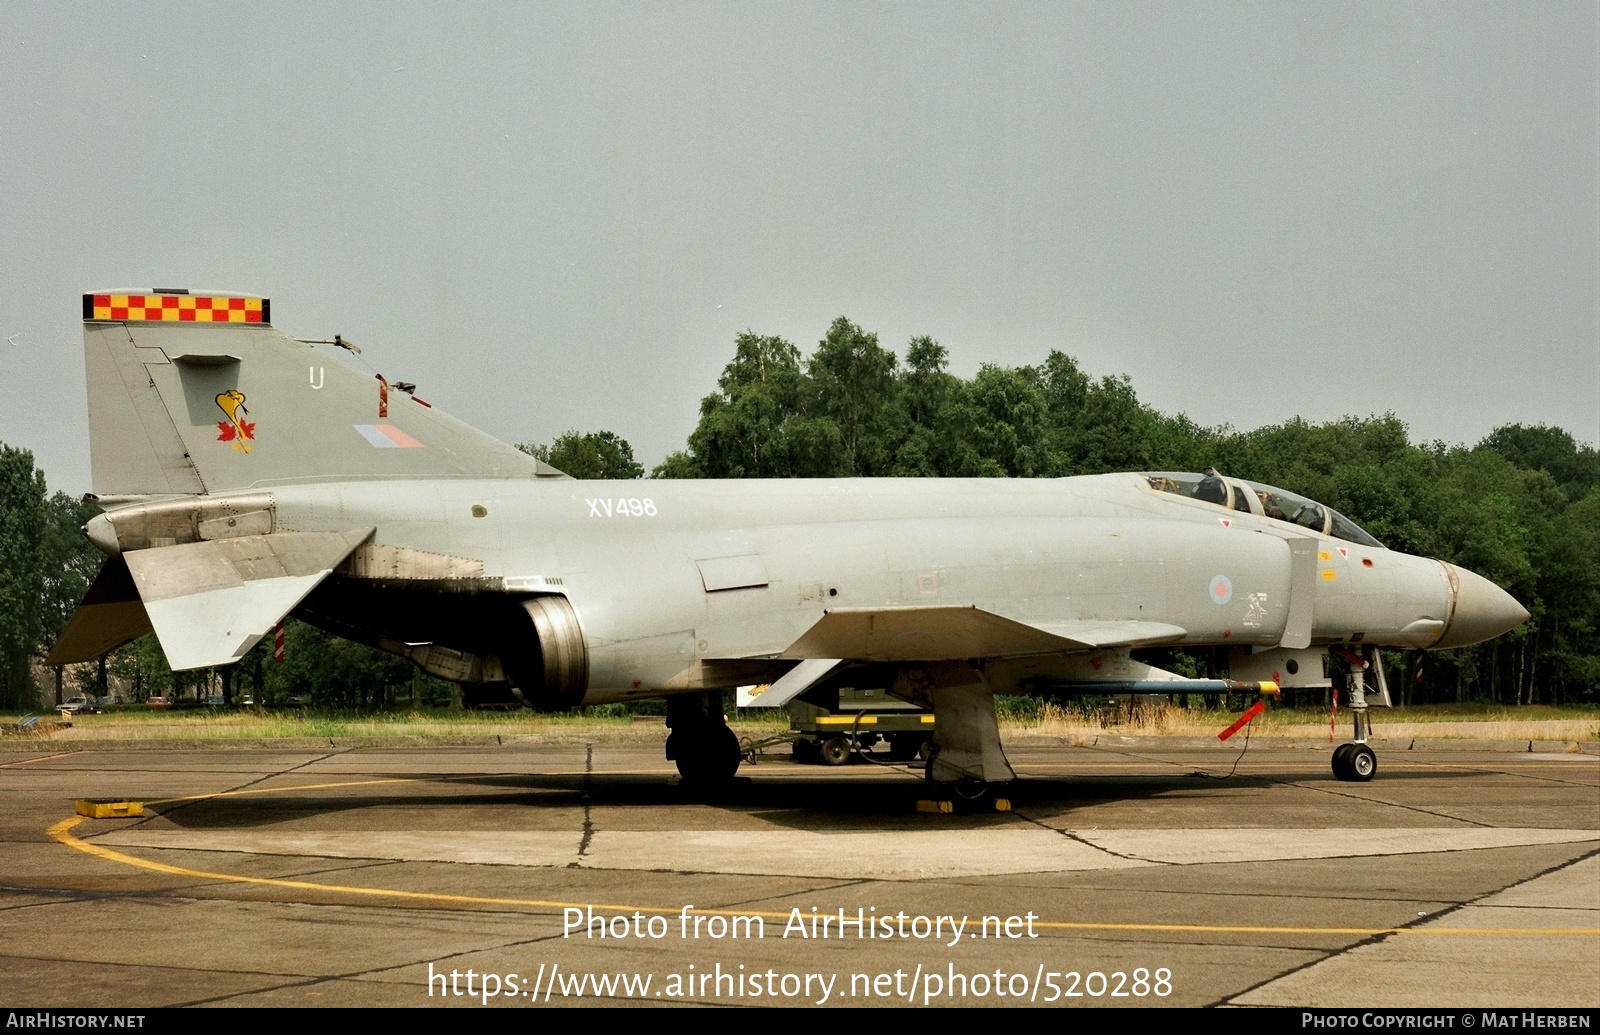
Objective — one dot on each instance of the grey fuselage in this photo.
(663, 574)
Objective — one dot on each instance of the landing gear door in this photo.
(1378, 692)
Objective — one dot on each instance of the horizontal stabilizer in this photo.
(946, 633)
(210, 602)
(111, 614)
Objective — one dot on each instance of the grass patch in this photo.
(1532, 722)
(1017, 716)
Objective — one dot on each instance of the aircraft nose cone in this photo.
(1482, 612)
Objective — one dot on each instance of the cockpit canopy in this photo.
(1262, 500)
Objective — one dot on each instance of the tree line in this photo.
(1521, 508)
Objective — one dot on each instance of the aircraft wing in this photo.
(941, 633)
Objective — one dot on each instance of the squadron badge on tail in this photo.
(235, 429)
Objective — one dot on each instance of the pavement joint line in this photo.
(184, 802)
(588, 809)
(1479, 770)
(306, 981)
(836, 885)
(1421, 921)
(190, 892)
(144, 966)
(62, 832)
(517, 943)
(1070, 836)
(1193, 770)
(1339, 792)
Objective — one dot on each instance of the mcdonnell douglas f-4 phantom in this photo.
(246, 475)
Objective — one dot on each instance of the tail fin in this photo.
(199, 393)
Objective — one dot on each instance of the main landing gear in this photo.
(967, 765)
(1356, 762)
(705, 749)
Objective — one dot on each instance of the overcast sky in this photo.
(555, 216)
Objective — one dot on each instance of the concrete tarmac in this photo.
(1141, 875)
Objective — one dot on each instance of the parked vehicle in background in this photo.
(79, 705)
(839, 728)
(158, 701)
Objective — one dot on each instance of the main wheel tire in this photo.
(972, 789)
(1341, 762)
(965, 794)
(707, 755)
(837, 750)
(1363, 762)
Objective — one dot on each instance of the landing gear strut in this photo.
(966, 762)
(705, 749)
(1356, 762)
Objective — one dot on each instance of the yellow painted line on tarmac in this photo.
(395, 779)
(62, 832)
(40, 758)
(293, 787)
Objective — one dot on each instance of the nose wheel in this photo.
(1354, 763)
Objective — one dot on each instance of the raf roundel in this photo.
(1221, 589)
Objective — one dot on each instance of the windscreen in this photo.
(1298, 510)
(1278, 504)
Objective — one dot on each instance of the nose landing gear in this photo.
(1356, 762)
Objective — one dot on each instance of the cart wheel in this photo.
(836, 750)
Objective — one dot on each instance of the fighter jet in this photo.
(246, 475)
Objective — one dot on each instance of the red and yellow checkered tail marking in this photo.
(178, 308)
